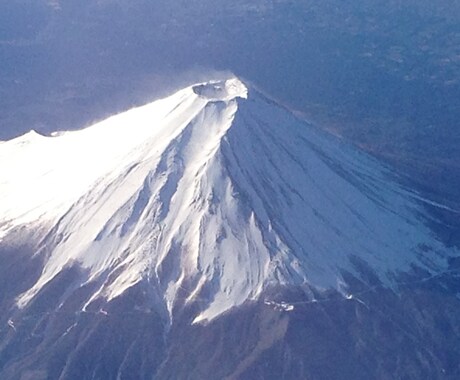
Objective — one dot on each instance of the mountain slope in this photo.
(210, 199)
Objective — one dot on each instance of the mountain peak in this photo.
(222, 90)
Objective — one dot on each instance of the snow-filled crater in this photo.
(222, 90)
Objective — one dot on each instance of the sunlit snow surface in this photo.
(211, 195)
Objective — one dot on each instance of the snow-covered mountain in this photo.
(212, 195)
(214, 235)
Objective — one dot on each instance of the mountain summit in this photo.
(210, 196)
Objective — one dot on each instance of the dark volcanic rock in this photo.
(375, 334)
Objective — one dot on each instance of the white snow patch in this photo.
(11, 324)
(280, 306)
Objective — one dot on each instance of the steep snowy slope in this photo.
(210, 195)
